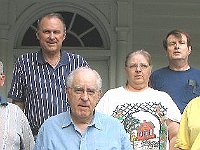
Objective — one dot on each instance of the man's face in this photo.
(83, 95)
(177, 48)
(2, 80)
(51, 34)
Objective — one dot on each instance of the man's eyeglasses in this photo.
(141, 66)
(2, 76)
(80, 91)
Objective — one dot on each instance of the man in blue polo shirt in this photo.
(38, 84)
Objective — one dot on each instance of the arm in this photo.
(20, 103)
(172, 131)
(125, 142)
(16, 92)
(28, 139)
(183, 136)
(41, 141)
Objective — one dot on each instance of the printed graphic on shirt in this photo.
(145, 123)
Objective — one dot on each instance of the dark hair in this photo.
(52, 15)
(177, 33)
(142, 52)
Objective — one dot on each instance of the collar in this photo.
(96, 121)
(63, 61)
(179, 69)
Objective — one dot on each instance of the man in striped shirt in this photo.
(39, 78)
(15, 132)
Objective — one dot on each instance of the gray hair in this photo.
(1, 67)
(71, 76)
(142, 52)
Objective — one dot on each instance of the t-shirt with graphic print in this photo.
(143, 115)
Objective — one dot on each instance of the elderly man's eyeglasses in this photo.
(1, 76)
(80, 91)
(141, 66)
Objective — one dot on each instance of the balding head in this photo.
(84, 71)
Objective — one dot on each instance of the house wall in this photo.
(130, 25)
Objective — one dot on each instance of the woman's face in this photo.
(138, 70)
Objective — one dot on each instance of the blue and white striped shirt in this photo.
(42, 87)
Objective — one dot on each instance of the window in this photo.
(80, 33)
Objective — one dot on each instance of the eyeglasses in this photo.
(141, 66)
(2, 76)
(80, 91)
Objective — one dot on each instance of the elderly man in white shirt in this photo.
(15, 132)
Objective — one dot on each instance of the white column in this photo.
(122, 41)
